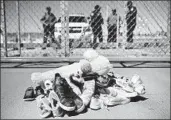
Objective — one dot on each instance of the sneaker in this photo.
(125, 84)
(122, 92)
(44, 106)
(109, 100)
(138, 85)
(63, 91)
(78, 102)
(42, 103)
(113, 98)
(136, 80)
(39, 91)
(58, 112)
(29, 94)
(95, 103)
(41, 98)
(140, 89)
(56, 109)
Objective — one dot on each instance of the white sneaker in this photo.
(125, 84)
(136, 80)
(96, 103)
(138, 84)
(124, 93)
(140, 89)
(110, 100)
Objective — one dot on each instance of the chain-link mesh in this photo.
(113, 28)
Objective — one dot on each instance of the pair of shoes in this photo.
(48, 105)
(68, 100)
(31, 93)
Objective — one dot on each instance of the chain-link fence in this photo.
(114, 28)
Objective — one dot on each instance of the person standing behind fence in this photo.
(112, 27)
(48, 21)
(96, 24)
(131, 21)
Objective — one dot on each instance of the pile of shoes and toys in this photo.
(89, 83)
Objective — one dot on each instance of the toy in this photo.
(100, 64)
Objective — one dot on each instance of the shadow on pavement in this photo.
(138, 98)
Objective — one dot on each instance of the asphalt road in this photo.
(155, 104)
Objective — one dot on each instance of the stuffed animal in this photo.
(99, 63)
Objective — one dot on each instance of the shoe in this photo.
(112, 91)
(136, 80)
(41, 98)
(44, 106)
(39, 91)
(29, 94)
(57, 111)
(124, 93)
(78, 102)
(125, 84)
(140, 89)
(138, 84)
(42, 103)
(109, 100)
(63, 91)
(95, 103)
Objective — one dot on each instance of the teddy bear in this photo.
(100, 64)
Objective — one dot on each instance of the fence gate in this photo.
(78, 24)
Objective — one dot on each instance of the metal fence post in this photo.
(168, 22)
(64, 27)
(3, 19)
(19, 32)
(67, 30)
